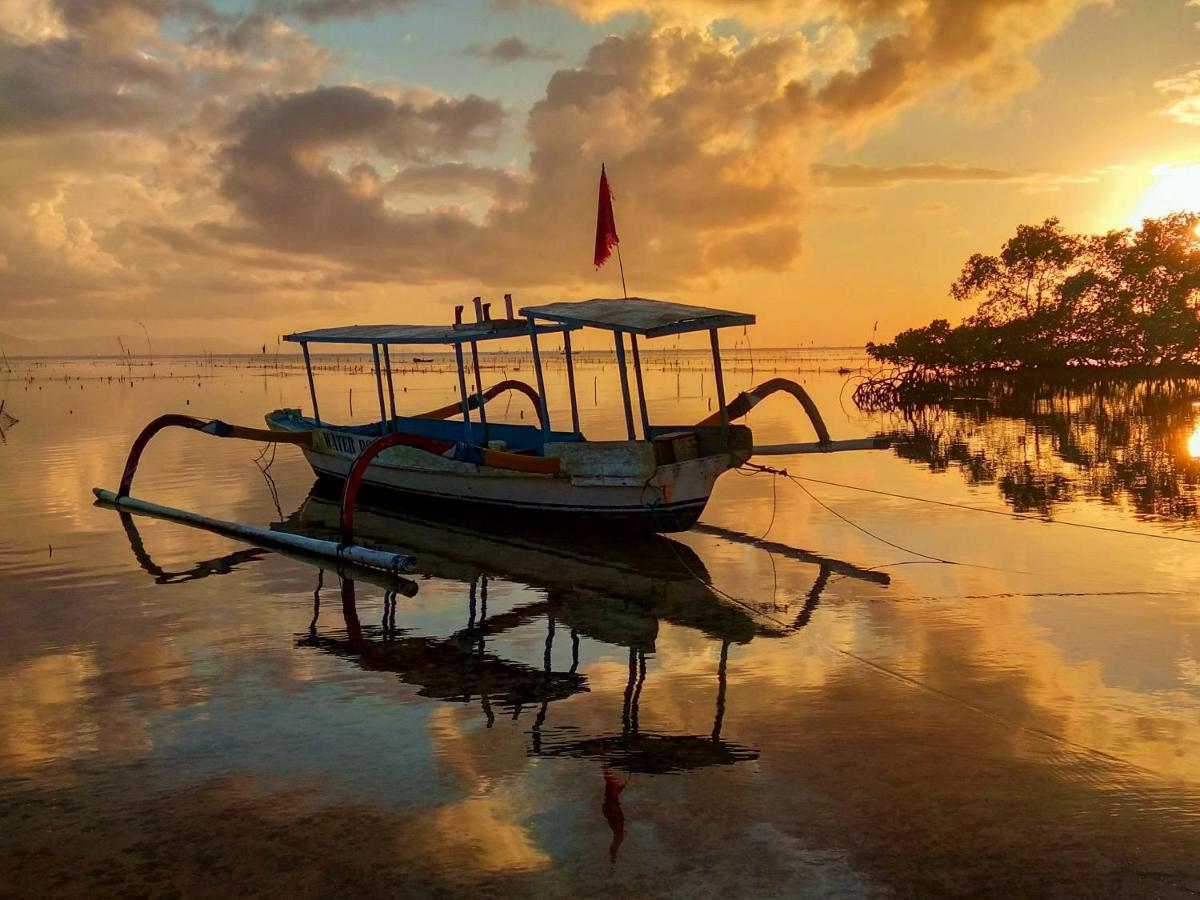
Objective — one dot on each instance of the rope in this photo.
(991, 512)
(774, 507)
(867, 532)
(886, 671)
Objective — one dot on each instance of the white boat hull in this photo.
(618, 484)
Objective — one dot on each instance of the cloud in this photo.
(857, 175)
(505, 188)
(280, 175)
(510, 50)
(861, 176)
(110, 129)
(1185, 93)
(915, 46)
(693, 126)
(322, 10)
(170, 158)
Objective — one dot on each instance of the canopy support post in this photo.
(571, 381)
(312, 388)
(479, 390)
(387, 365)
(541, 378)
(637, 374)
(716, 352)
(462, 391)
(383, 423)
(620, 345)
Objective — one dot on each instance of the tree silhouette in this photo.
(1053, 300)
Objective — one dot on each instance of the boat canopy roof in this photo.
(492, 329)
(637, 315)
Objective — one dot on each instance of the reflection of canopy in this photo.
(449, 669)
(614, 588)
(656, 754)
(596, 581)
(651, 753)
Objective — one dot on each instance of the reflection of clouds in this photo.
(485, 830)
(62, 706)
(1117, 675)
(1009, 658)
(482, 832)
(43, 708)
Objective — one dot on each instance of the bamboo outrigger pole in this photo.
(392, 563)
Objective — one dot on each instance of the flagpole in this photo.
(622, 266)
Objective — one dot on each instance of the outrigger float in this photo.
(659, 481)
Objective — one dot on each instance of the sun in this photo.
(1176, 188)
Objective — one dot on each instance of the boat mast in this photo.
(387, 365)
(462, 391)
(384, 425)
(620, 345)
(312, 389)
(479, 317)
(637, 372)
(541, 378)
(571, 381)
(716, 352)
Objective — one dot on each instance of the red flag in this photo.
(606, 225)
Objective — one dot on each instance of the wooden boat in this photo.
(659, 480)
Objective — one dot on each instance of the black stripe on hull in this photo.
(664, 518)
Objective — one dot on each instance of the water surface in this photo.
(795, 698)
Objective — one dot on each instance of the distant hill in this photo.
(107, 345)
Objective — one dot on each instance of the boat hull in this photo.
(619, 484)
(527, 496)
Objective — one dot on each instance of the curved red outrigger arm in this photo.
(214, 427)
(747, 400)
(444, 412)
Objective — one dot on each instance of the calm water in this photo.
(817, 713)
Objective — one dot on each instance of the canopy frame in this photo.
(636, 316)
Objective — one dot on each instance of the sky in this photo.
(232, 170)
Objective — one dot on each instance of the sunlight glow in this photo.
(1176, 188)
(1194, 443)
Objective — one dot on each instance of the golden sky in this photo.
(223, 171)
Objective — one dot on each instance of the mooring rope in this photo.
(1110, 529)
(909, 680)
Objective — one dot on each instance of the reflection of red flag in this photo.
(606, 225)
(612, 811)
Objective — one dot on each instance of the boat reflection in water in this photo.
(615, 592)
